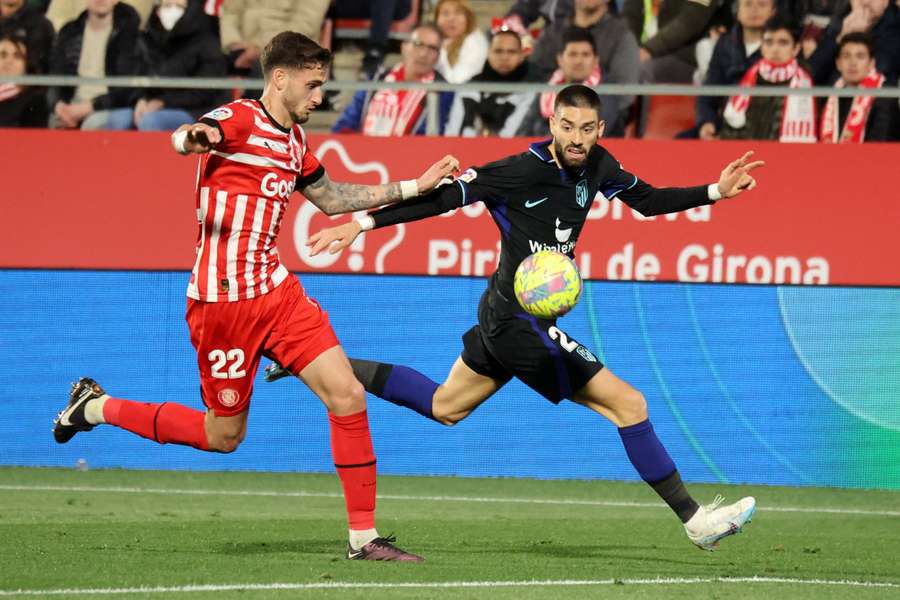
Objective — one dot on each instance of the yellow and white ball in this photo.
(547, 284)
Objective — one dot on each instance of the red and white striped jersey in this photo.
(243, 186)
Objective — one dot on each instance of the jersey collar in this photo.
(272, 120)
(542, 150)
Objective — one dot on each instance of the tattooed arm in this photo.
(334, 198)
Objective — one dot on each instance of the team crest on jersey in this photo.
(229, 397)
(586, 354)
(581, 193)
(469, 175)
(219, 114)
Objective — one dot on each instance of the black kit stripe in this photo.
(368, 464)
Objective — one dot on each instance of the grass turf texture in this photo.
(254, 533)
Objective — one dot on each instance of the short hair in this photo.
(857, 37)
(778, 22)
(579, 96)
(506, 31)
(573, 35)
(433, 27)
(293, 50)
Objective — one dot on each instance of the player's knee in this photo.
(224, 443)
(350, 399)
(448, 418)
(634, 407)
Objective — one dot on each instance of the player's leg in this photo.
(626, 407)
(304, 342)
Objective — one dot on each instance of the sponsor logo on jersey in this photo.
(229, 397)
(581, 193)
(219, 114)
(562, 235)
(271, 186)
(586, 354)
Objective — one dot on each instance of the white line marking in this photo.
(485, 499)
(443, 584)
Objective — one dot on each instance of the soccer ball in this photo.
(547, 284)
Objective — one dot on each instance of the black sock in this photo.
(373, 375)
(672, 490)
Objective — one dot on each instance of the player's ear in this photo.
(601, 127)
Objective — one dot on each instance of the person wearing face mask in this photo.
(20, 106)
(178, 42)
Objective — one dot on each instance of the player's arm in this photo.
(197, 138)
(438, 201)
(334, 198)
(648, 200)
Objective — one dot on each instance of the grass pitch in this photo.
(264, 535)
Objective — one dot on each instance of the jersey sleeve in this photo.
(233, 121)
(439, 200)
(616, 182)
(311, 170)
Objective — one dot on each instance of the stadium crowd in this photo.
(746, 43)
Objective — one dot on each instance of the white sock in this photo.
(93, 410)
(361, 537)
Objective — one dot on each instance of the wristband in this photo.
(409, 189)
(178, 139)
(366, 223)
(713, 192)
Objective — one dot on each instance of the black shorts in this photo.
(508, 342)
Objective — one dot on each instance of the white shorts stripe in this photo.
(211, 287)
(231, 251)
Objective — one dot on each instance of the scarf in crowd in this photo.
(395, 112)
(9, 90)
(798, 120)
(548, 98)
(855, 126)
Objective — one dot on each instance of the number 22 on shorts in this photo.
(221, 358)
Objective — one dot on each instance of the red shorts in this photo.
(230, 337)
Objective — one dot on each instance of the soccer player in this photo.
(539, 200)
(243, 303)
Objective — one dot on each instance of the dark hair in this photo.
(432, 26)
(293, 50)
(777, 23)
(578, 95)
(509, 32)
(857, 37)
(573, 34)
(19, 41)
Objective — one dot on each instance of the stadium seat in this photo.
(669, 115)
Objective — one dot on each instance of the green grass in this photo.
(85, 535)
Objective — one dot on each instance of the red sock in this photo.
(164, 423)
(354, 459)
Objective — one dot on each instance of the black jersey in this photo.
(538, 206)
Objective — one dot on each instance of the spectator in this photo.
(29, 24)
(788, 119)
(19, 106)
(490, 114)
(102, 41)
(178, 42)
(382, 14)
(246, 26)
(734, 54)
(465, 47)
(617, 51)
(667, 40)
(524, 13)
(60, 12)
(862, 118)
(400, 112)
(880, 19)
(577, 63)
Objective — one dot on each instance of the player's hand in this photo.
(334, 239)
(443, 168)
(202, 138)
(736, 176)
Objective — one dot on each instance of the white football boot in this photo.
(711, 523)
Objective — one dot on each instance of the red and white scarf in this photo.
(395, 112)
(548, 98)
(798, 120)
(9, 90)
(855, 126)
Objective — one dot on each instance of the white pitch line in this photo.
(442, 585)
(483, 499)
